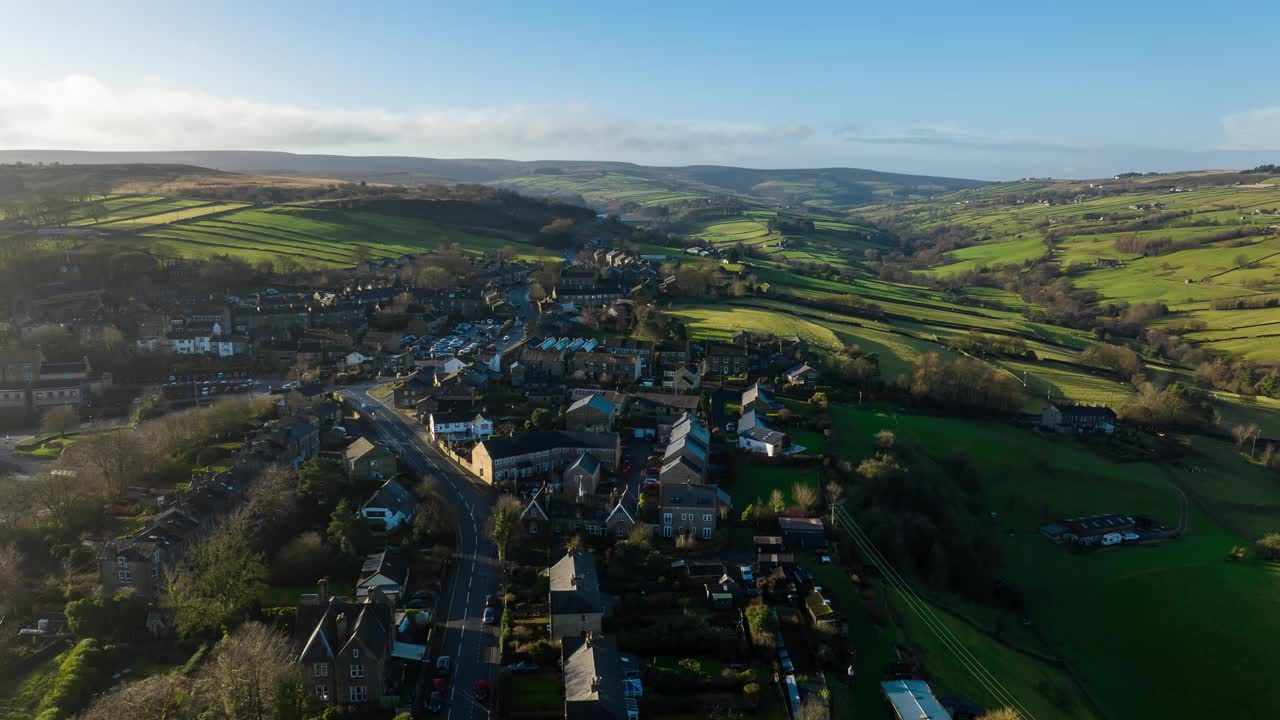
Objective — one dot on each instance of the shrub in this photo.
(79, 675)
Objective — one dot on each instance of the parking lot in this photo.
(465, 340)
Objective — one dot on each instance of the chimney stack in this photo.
(340, 623)
(324, 590)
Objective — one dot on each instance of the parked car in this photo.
(443, 665)
(436, 703)
(1112, 539)
(490, 616)
(748, 574)
(482, 691)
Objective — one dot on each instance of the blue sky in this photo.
(1008, 90)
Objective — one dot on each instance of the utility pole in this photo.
(1254, 448)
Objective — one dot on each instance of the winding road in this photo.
(472, 645)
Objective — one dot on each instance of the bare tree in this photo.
(804, 496)
(113, 458)
(777, 502)
(59, 420)
(159, 697)
(245, 674)
(13, 587)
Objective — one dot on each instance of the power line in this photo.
(935, 624)
(932, 621)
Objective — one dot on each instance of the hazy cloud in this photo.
(947, 137)
(1252, 130)
(83, 113)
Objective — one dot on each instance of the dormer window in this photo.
(122, 561)
(355, 653)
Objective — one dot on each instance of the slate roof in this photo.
(593, 688)
(530, 442)
(595, 402)
(575, 585)
(387, 563)
(394, 497)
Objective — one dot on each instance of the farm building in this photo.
(802, 532)
(1088, 530)
(913, 700)
(1081, 418)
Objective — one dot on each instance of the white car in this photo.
(1112, 539)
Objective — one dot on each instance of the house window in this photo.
(533, 528)
(322, 692)
(666, 531)
(122, 561)
(706, 533)
(666, 519)
(357, 670)
(123, 577)
(321, 669)
(622, 530)
(358, 693)
(706, 518)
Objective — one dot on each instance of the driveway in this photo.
(472, 644)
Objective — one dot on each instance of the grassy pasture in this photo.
(1111, 614)
(757, 482)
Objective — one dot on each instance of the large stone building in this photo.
(537, 454)
(576, 606)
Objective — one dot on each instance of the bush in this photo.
(79, 676)
(209, 456)
(303, 559)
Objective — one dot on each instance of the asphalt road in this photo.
(472, 645)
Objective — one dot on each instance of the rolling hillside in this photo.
(603, 185)
(1206, 245)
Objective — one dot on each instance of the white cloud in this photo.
(81, 112)
(1252, 129)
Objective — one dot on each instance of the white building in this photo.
(459, 426)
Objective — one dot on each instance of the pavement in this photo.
(472, 645)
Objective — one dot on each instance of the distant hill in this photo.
(603, 185)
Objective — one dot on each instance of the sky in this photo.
(1001, 91)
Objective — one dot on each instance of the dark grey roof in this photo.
(594, 402)
(393, 496)
(575, 586)
(388, 563)
(593, 687)
(529, 442)
(688, 495)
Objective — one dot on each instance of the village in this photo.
(618, 490)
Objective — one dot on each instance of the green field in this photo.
(1209, 263)
(757, 482)
(1139, 626)
(312, 236)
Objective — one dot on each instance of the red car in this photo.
(440, 685)
(650, 485)
(482, 691)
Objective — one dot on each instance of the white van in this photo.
(1112, 539)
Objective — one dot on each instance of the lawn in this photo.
(756, 482)
(536, 692)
